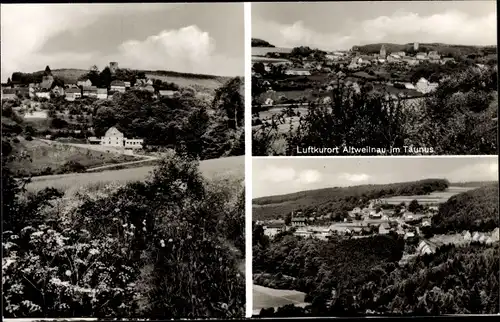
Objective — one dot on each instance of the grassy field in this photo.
(434, 197)
(45, 154)
(262, 51)
(265, 297)
(184, 80)
(217, 168)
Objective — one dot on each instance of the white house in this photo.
(102, 93)
(424, 86)
(269, 101)
(114, 138)
(298, 72)
(118, 86)
(167, 93)
(73, 93)
(36, 115)
(43, 95)
(84, 83)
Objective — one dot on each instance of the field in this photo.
(217, 168)
(434, 197)
(265, 297)
(202, 82)
(262, 51)
(69, 75)
(52, 154)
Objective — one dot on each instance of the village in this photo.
(316, 75)
(378, 218)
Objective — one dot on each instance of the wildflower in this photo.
(170, 240)
(189, 236)
(162, 243)
(68, 273)
(117, 209)
(93, 251)
(143, 228)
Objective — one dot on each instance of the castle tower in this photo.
(383, 52)
(113, 66)
(415, 46)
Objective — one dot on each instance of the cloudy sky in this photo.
(201, 38)
(286, 175)
(341, 25)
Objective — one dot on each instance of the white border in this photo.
(248, 159)
(409, 156)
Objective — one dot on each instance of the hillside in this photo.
(475, 210)
(443, 49)
(198, 81)
(339, 199)
(256, 42)
(473, 183)
(54, 158)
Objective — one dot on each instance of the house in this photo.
(412, 61)
(375, 215)
(114, 138)
(434, 55)
(149, 82)
(424, 86)
(269, 101)
(384, 228)
(410, 235)
(409, 86)
(167, 93)
(36, 115)
(127, 84)
(426, 222)
(446, 60)
(89, 91)
(73, 93)
(43, 95)
(149, 88)
(271, 229)
(298, 72)
(399, 53)
(9, 94)
(118, 86)
(94, 140)
(298, 221)
(84, 83)
(424, 248)
(58, 91)
(393, 58)
(133, 143)
(467, 236)
(422, 56)
(102, 93)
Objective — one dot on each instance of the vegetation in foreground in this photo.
(168, 247)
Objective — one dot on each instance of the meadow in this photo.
(265, 297)
(432, 198)
(217, 168)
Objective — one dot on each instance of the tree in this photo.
(414, 206)
(288, 219)
(229, 100)
(105, 77)
(259, 68)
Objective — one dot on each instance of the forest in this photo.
(475, 210)
(339, 199)
(351, 277)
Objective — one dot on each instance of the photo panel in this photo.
(128, 120)
(370, 78)
(385, 236)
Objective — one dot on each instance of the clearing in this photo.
(265, 297)
(233, 167)
(50, 154)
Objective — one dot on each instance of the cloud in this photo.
(452, 27)
(482, 171)
(277, 174)
(354, 177)
(309, 176)
(187, 49)
(26, 27)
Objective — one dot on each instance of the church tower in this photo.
(383, 52)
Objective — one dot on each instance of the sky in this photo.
(204, 38)
(276, 176)
(341, 25)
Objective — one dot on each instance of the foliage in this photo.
(475, 210)
(340, 199)
(260, 43)
(157, 248)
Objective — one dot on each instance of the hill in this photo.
(260, 43)
(339, 199)
(475, 210)
(199, 82)
(473, 183)
(443, 49)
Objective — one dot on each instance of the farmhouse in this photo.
(424, 86)
(167, 93)
(90, 91)
(298, 221)
(114, 138)
(102, 93)
(9, 93)
(43, 95)
(118, 86)
(84, 83)
(271, 229)
(36, 115)
(73, 93)
(298, 72)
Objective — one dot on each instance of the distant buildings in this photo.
(298, 71)
(424, 86)
(118, 86)
(73, 93)
(36, 115)
(84, 83)
(9, 93)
